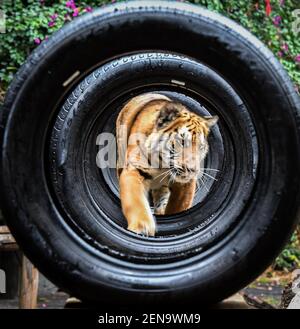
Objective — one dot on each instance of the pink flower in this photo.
(54, 17)
(75, 12)
(280, 53)
(281, 2)
(37, 41)
(52, 20)
(88, 9)
(71, 4)
(277, 20)
(297, 58)
(285, 47)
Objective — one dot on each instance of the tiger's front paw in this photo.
(144, 227)
(160, 211)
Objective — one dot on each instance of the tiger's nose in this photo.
(190, 169)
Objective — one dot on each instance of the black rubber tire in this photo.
(87, 113)
(249, 78)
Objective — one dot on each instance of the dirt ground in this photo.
(267, 288)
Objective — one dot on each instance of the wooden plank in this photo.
(28, 285)
(6, 238)
(9, 247)
(4, 229)
(7, 241)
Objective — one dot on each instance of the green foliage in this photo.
(289, 259)
(27, 24)
(30, 22)
(275, 30)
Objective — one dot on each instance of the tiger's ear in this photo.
(168, 114)
(211, 121)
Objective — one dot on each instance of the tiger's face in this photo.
(180, 140)
(187, 152)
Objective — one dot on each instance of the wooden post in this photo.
(28, 285)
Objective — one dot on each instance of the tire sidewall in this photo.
(30, 108)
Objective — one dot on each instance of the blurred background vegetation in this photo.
(31, 22)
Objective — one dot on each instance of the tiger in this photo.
(160, 147)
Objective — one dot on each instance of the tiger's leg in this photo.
(135, 204)
(181, 197)
(160, 199)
